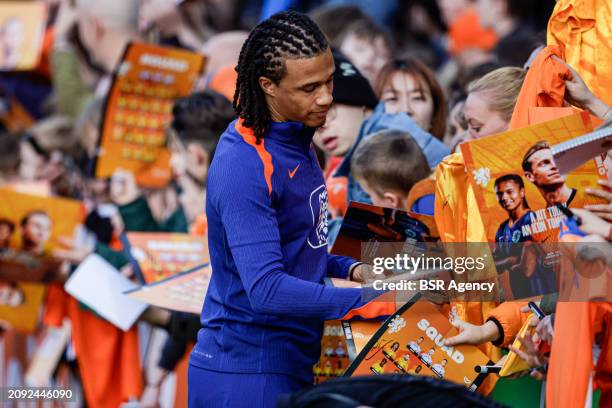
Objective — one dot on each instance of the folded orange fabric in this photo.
(544, 86)
(583, 31)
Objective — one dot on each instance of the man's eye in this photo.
(309, 89)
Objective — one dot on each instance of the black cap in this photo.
(350, 87)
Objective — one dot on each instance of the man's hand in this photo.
(365, 273)
(602, 210)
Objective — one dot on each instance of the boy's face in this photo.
(338, 134)
(369, 56)
(304, 94)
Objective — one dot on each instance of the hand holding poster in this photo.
(139, 107)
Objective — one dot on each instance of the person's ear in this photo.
(200, 154)
(268, 86)
(529, 176)
(97, 26)
(394, 200)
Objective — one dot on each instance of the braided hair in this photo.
(288, 34)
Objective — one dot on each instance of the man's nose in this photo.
(325, 97)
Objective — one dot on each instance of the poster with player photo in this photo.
(522, 196)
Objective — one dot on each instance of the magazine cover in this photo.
(139, 107)
(411, 342)
(522, 196)
(183, 292)
(158, 256)
(22, 27)
(368, 224)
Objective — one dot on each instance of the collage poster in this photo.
(30, 228)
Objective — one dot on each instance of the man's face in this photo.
(509, 195)
(341, 127)
(368, 56)
(38, 229)
(304, 94)
(544, 171)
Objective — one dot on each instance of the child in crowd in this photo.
(387, 165)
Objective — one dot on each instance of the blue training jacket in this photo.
(266, 206)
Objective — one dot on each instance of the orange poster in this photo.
(139, 108)
(30, 228)
(523, 158)
(22, 27)
(411, 342)
(523, 197)
(161, 255)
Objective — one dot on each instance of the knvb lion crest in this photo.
(318, 206)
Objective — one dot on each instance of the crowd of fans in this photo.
(413, 80)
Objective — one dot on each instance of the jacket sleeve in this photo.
(245, 208)
(509, 320)
(339, 266)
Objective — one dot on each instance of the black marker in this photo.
(536, 310)
(487, 369)
(569, 214)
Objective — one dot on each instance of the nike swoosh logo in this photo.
(292, 173)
